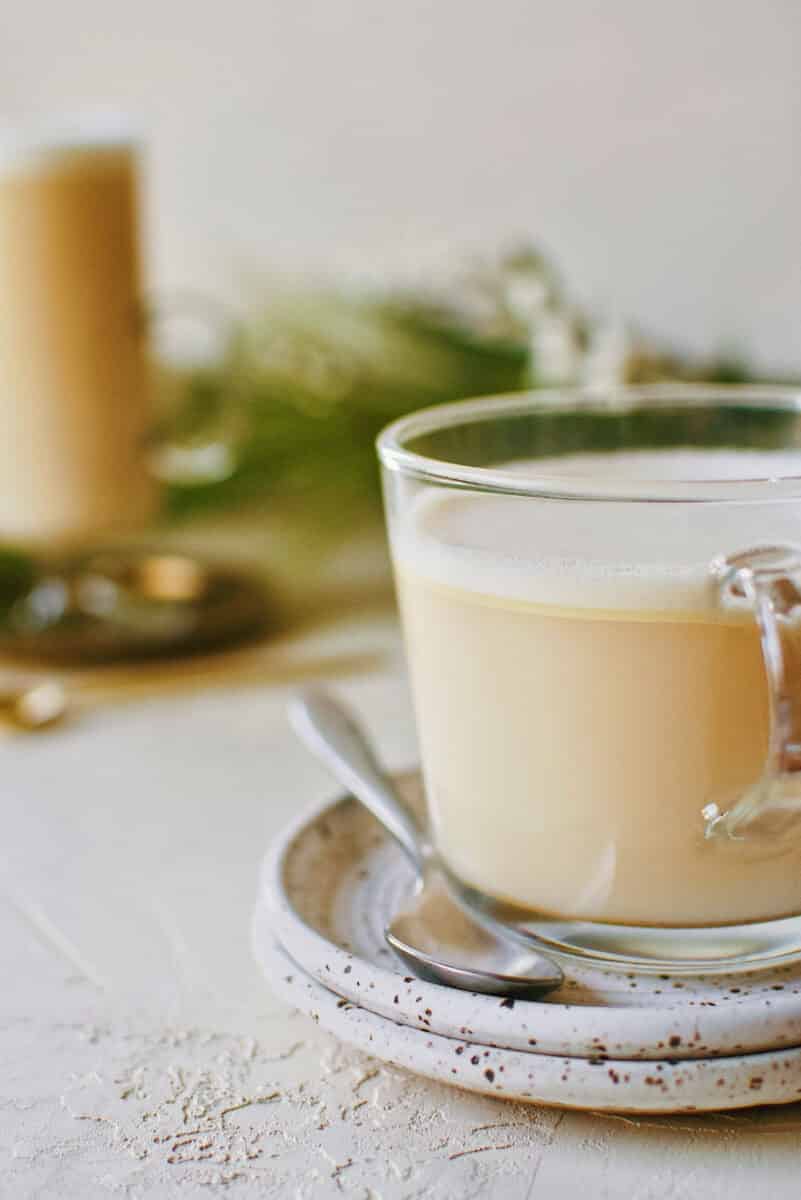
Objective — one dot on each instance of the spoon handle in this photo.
(334, 737)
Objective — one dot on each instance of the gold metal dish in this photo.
(128, 604)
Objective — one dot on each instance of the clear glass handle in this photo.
(196, 376)
(767, 579)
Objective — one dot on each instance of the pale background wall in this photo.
(654, 148)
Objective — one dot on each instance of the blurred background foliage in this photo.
(285, 406)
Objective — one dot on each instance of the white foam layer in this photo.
(45, 147)
(603, 555)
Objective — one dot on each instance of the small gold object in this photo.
(33, 704)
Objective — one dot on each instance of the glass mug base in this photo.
(689, 950)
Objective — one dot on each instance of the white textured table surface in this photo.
(141, 1054)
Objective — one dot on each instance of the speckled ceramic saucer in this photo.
(332, 881)
(599, 1084)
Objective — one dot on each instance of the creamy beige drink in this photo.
(72, 373)
(581, 694)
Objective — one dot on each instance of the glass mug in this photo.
(82, 360)
(601, 603)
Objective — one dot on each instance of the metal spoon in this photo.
(435, 935)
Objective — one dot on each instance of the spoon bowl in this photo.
(437, 938)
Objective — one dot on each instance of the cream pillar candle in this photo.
(73, 406)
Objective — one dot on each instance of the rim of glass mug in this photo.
(393, 451)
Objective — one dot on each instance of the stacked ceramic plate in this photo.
(628, 1043)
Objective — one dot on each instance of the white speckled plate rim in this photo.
(690, 1085)
(681, 1031)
